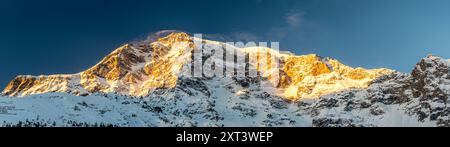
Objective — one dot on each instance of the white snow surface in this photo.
(227, 104)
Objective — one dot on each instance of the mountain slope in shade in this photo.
(397, 99)
(137, 69)
(146, 83)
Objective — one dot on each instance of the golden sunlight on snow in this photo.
(138, 70)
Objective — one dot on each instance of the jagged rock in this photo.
(148, 83)
(376, 111)
(333, 122)
(165, 58)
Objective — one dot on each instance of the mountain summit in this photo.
(139, 68)
(174, 79)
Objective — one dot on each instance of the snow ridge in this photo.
(146, 84)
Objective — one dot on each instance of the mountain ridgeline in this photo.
(149, 83)
(139, 68)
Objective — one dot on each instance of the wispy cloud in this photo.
(291, 21)
(233, 37)
(294, 19)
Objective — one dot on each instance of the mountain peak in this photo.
(313, 76)
(139, 68)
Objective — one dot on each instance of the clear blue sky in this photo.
(54, 36)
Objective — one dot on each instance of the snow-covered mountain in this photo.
(138, 68)
(148, 83)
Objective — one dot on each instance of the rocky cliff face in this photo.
(137, 69)
(132, 69)
(430, 85)
(312, 76)
(147, 83)
(395, 99)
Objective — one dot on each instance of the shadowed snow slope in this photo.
(147, 83)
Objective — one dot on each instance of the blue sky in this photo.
(52, 36)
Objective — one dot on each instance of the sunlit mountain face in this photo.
(139, 68)
(174, 78)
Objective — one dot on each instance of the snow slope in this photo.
(139, 68)
(128, 88)
(223, 102)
